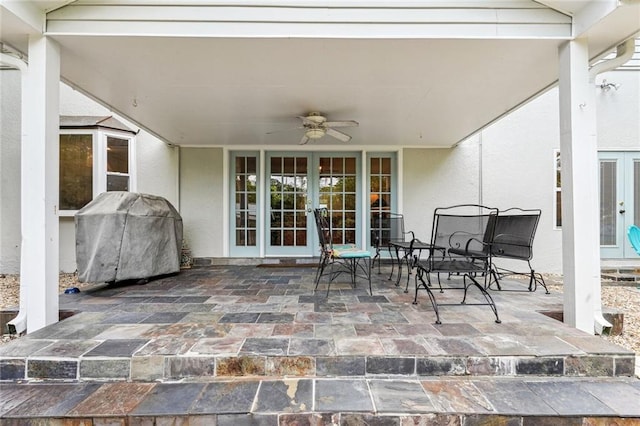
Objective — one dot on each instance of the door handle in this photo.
(621, 211)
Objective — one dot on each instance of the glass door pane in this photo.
(608, 203)
(288, 220)
(337, 190)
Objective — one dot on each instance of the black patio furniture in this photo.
(336, 259)
(513, 237)
(387, 230)
(464, 233)
(407, 253)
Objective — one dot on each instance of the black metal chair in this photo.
(387, 228)
(513, 240)
(336, 259)
(461, 238)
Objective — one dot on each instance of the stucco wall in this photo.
(619, 111)
(10, 104)
(429, 179)
(518, 155)
(201, 200)
(518, 171)
(156, 162)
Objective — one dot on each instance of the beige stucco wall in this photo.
(619, 111)
(518, 171)
(10, 104)
(201, 199)
(437, 178)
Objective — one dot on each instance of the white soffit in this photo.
(338, 19)
(227, 73)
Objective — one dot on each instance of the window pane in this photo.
(240, 165)
(301, 237)
(350, 165)
(374, 167)
(240, 238)
(117, 155)
(386, 166)
(289, 166)
(608, 205)
(558, 209)
(117, 183)
(76, 171)
(251, 165)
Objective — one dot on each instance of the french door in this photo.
(619, 174)
(297, 183)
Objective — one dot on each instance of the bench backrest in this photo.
(464, 228)
(514, 232)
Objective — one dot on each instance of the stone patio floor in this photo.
(255, 345)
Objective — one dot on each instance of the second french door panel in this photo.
(338, 193)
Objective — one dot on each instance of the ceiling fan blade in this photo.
(346, 123)
(338, 135)
(304, 140)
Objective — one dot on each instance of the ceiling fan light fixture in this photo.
(314, 133)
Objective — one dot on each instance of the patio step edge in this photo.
(218, 367)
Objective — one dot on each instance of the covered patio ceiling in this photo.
(424, 74)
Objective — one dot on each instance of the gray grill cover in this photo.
(125, 235)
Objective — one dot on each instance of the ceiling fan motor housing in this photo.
(316, 118)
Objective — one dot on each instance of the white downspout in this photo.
(18, 325)
(624, 52)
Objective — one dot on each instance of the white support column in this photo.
(39, 270)
(579, 162)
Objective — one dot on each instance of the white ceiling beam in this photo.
(27, 12)
(592, 14)
(289, 14)
(526, 21)
(295, 30)
(328, 3)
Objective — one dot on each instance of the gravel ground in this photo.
(622, 298)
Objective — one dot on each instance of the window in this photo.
(244, 208)
(76, 171)
(92, 162)
(246, 200)
(558, 190)
(117, 164)
(381, 191)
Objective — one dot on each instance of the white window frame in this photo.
(102, 166)
(99, 147)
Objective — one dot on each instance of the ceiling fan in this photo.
(316, 126)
